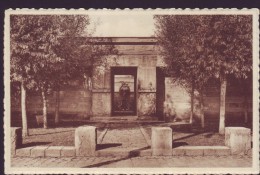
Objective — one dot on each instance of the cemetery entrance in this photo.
(123, 83)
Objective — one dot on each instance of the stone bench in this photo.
(86, 140)
(238, 139)
(161, 141)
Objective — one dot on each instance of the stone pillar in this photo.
(238, 139)
(16, 139)
(161, 141)
(85, 140)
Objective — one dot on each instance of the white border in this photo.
(253, 170)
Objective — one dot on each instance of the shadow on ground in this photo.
(34, 144)
(178, 144)
(107, 145)
(133, 153)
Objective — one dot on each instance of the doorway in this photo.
(123, 91)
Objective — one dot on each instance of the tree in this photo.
(230, 40)
(46, 49)
(181, 39)
(198, 48)
(34, 38)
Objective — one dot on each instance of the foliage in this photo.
(35, 58)
(48, 50)
(201, 47)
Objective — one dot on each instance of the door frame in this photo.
(160, 92)
(124, 70)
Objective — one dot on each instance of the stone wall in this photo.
(141, 53)
(70, 102)
(235, 101)
(180, 97)
(136, 52)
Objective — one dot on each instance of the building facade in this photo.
(135, 71)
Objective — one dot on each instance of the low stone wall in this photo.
(237, 141)
(16, 139)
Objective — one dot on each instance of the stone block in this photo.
(85, 140)
(238, 139)
(16, 139)
(209, 152)
(38, 151)
(225, 151)
(194, 151)
(179, 151)
(216, 151)
(68, 151)
(161, 141)
(53, 151)
(24, 152)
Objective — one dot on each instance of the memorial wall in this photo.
(136, 65)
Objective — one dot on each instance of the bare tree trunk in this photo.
(57, 107)
(202, 115)
(44, 102)
(222, 105)
(23, 110)
(192, 101)
(89, 89)
(245, 105)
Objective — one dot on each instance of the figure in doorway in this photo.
(124, 92)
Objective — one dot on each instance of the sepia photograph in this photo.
(131, 91)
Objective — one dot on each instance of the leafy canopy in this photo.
(48, 50)
(199, 47)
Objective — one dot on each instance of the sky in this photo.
(123, 25)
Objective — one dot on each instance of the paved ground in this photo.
(85, 162)
(129, 137)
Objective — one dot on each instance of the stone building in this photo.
(138, 66)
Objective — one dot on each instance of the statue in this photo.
(124, 92)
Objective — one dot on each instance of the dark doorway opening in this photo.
(123, 94)
(160, 92)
